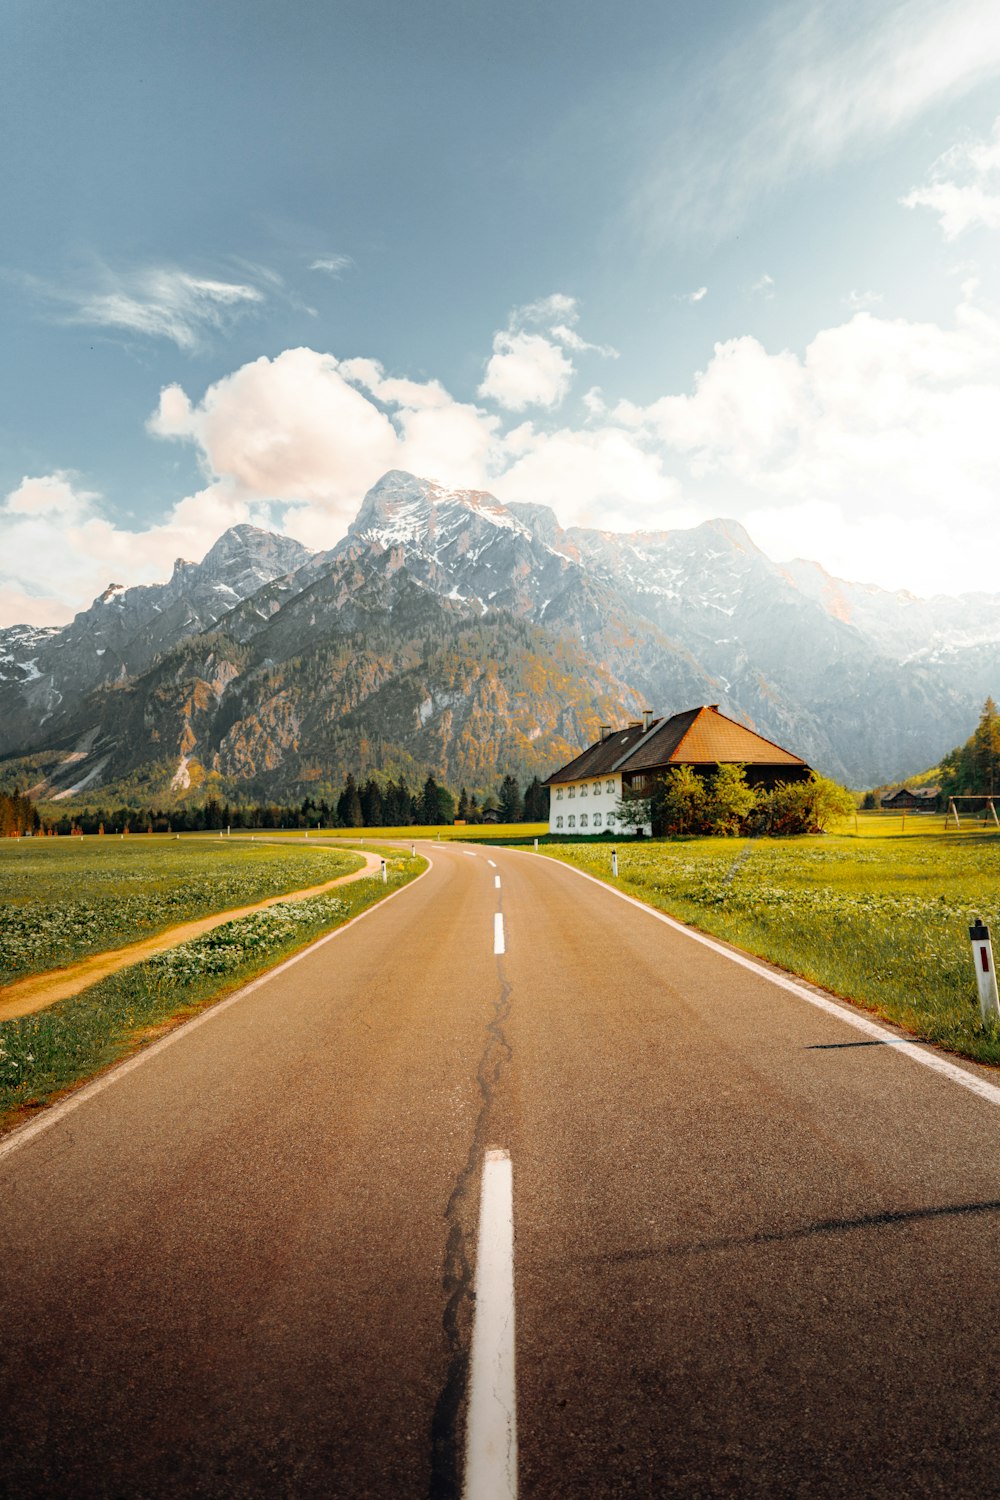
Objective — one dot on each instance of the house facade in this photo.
(584, 792)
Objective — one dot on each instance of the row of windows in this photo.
(595, 822)
(609, 786)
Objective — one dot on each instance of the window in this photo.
(572, 821)
(611, 820)
(559, 821)
(596, 788)
(583, 790)
(597, 820)
(558, 793)
(583, 820)
(609, 785)
(571, 792)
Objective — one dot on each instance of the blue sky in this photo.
(647, 263)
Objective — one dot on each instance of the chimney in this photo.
(605, 731)
(647, 719)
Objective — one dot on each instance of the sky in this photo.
(647, 263)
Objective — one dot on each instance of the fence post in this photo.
(986, 979)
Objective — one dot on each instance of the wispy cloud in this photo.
(764, 287)
(692, 297)
(156, 301)
(802, 89)
(964, 187)
(333, 265)
(861, 301)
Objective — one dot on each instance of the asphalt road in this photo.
(756, 1252)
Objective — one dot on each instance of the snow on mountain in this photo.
(864, 683)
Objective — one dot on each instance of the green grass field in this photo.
(879, 918)
(43, 1054)
(64, 898)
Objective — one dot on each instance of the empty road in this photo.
(755, 1249)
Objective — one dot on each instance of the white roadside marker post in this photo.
(385, 876)
(413, 850)
(536, 846)
(614, 863)
(986, 978)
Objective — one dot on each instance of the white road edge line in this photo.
(56, 1112)
(917, 1051)
(491, 1429)
(498, 942)
(496, 882)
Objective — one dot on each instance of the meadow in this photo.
(43, 1054)
(65, 898)
(880, 919)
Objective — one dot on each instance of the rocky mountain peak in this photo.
(401, 509)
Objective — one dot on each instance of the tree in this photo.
(371, 804)
(511, 806)
(463, 805)
(986, 749)
(793, 807)
(536, 802)
(349, 813)
(680, 803)
(731, 801)
(430, 807)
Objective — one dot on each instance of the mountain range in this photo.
(447, 632)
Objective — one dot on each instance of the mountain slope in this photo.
(448, 632)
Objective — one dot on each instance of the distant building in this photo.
(922, 799)
(585, 792)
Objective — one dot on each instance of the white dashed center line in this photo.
(492, 863)
(496, 882)
(491, 1434)
(498, 942)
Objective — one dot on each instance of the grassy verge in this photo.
(63, 899)
(44, 1054)
(882, 922)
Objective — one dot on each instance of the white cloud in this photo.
(67, 551)
(290, 429)
(862, 301)
(692, 297)
(48, 495)
(801, 88)
(882, 423)
(333, 265)
(159, 301)
(764, 287)
(526, 369)
(532, 368)
(964, 187)
(602, 477)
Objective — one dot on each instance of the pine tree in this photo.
(463, 805)
(371, 804)
(536, 802)
(430, 811)
(511, 806)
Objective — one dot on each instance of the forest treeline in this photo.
(361, 804)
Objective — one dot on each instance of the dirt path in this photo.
(39, 991)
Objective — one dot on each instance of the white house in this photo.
(583, 793)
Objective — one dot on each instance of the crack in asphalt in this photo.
(458, 1280)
